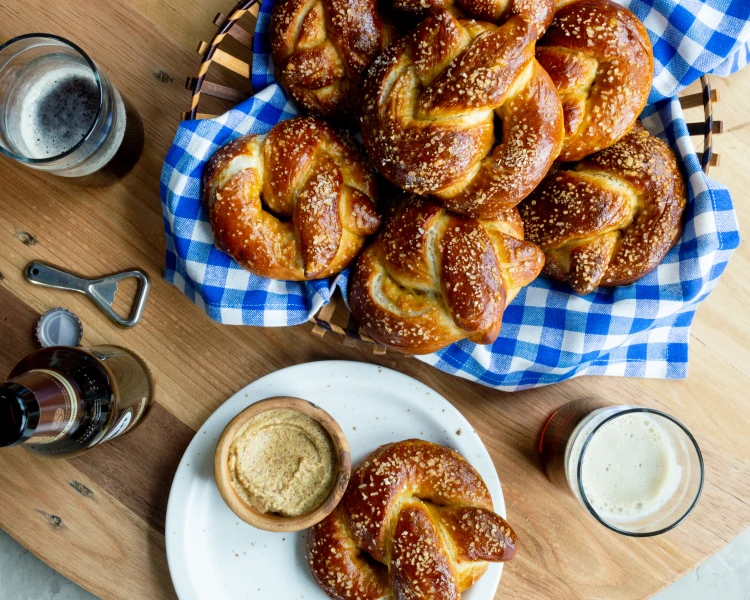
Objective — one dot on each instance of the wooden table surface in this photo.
(99, 518)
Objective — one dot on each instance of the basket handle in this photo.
(237, 13)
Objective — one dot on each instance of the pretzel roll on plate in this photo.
(422, 515)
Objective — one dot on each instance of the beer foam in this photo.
(58, 110)
(630, 469)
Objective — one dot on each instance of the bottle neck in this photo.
(40, 406)
(17, 414)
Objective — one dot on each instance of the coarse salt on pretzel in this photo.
(432, 101)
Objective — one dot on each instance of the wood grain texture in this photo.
(102, 513)
(89, 533)
(18, 326)
(149, 457)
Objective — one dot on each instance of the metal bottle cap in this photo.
(59, 327)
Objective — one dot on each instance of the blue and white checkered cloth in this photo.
(549, 334)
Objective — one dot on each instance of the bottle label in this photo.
(126, 421)
(58, 401)
(121, 426)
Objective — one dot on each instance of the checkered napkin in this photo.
(549, 334)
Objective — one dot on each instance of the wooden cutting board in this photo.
(99, 519)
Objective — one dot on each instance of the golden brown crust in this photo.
(294, 204)
(538, 12)
(600, 58)
(430, 104)
(339, 566)
(475, 533)
(401, 470)
(321, 50)
(613, 217)
(433, 277)
(421, 566)
(422, 511)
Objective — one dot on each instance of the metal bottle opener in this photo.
(100, 290)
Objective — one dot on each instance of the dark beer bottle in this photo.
(61, 401)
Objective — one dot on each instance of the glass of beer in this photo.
(59, 113)
(637, 470)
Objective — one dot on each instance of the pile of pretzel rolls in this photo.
(499, 141)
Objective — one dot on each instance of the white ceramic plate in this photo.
(213, 555)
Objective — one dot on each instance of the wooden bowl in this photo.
(270, 521)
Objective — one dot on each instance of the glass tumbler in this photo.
(59, 113)
(638, 471)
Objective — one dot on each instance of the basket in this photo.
(335, 316)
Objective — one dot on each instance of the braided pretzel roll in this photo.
(539, 12)
(321, 50)
(433, 277)
(424, 514)
(293, 204)
(600, 58)
(613, 217)
(430, 103)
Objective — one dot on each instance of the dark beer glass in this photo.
(59, 113)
